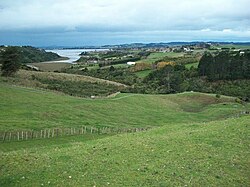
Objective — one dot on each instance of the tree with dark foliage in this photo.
(10, 61)
(225, 66)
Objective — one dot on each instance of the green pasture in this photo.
(51, 66)
(144, 73)
(177, 154)
(196, 140)
(27, 108)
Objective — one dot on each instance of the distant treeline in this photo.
(225, 66)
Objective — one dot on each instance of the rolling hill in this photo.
(27, 108)
(196, 140)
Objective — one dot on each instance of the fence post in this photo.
(61, 131)
(26, 135)
(4, 135)
(10, 137)
(18, 136)
(32, 134)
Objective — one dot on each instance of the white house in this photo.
(130, 63)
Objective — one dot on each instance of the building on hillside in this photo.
(131, 63)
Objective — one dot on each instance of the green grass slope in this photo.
(189, 154)
(23, 108)
(75, 85)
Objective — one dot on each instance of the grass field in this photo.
(189, 154)
(153, 57)
(192, 143)
(143, 73)
(23, 75)
(235, 46)
(56, 66)
(24, 108)
(71, 84)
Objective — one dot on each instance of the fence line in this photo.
(59, 132)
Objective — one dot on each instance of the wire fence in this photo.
(23, 135)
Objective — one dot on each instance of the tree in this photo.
(168, 70)
(205, 64)
(10, 61)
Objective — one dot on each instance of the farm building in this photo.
(130, 63)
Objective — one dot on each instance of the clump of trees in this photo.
(10, 61)
(225, 66)
(168, 79)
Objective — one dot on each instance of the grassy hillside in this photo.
(75, 85)
(153, 57)
(191, 143)
(52, 66)
(24, 108)
(185, 154)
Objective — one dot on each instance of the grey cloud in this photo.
(140, 14)
(118, 20)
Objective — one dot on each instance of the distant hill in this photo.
(169, 44)
(144, 45)
(30, 54)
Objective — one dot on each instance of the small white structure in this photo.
(32, 67)
(130, 63)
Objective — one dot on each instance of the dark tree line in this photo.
(225, 66)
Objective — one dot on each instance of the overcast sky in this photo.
(99, 22)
